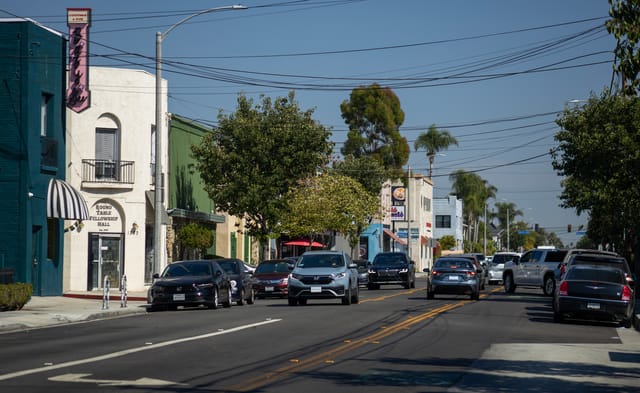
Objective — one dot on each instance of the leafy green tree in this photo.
(625, 26)
(447, 242)
(374, 117)
(599, 157)
(256, 155)
(433, 141)
(195, 238)
(329, 202)
(365, 169)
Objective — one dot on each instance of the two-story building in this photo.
(449, 220)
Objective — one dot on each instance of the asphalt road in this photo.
(394, 340)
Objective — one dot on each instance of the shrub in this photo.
(14, 296)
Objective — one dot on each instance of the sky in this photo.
(495, 73)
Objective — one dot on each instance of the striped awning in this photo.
(64, 201)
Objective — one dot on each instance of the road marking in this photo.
(129, 351)
(385, 297)
(112, 382)
(347, 346)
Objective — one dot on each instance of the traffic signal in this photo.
(569, 228)
(535, 227)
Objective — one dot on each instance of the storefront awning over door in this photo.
(64, 201)
(395, 237)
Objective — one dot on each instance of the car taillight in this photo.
(626, 293)
(435, 273)
(563, 290)
(471, 274)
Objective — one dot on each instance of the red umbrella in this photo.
(302, 242)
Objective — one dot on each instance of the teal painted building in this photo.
(32, 153)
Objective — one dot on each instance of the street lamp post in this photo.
(159, 184)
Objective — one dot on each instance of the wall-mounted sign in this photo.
(105, 218)
(78, 94)
(397, 213)
(398, 195)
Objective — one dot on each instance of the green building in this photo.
(34, 199)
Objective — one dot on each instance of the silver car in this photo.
(324, 275)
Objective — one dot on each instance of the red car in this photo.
(271, 278)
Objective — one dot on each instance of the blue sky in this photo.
(494, 73)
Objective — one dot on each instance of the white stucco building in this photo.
(110, 156)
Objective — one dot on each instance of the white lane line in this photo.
(146, 347)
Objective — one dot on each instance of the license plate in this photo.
(178, 297)
(316, 289)
(268, 289)
(454, 278)
(593, 306)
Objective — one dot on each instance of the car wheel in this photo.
(293, 301)
(302, 301)
(509, 285)
(215, 301)
(626, 323)
(240, 301)
(475, 296)
(252, 297)
(346, 299)
(549, 285)
(407, 285)
(227, 304)
(413, 283)
(429, 294)
(355, 299)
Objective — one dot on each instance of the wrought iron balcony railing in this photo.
(107, 171)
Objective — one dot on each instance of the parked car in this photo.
(481, 271)
(596, 293)
(188, 284)
(271, 278)
(389, 268)
(496, 266)
(363, 271)
(604, 260)
(453, 276)
(581, 251)
(324, 275)
(241, 280)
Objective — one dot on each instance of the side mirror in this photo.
(156, 275)
(425, 270)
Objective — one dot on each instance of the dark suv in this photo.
(392, 268)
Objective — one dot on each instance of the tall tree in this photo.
(599, 157)
(374, 117)
(433, 141)
(625, 26)
(366, 170)
(256, 155)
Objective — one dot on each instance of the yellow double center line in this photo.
(328, 357)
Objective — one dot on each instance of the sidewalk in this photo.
(43, 311)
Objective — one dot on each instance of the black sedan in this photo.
(594, 292)
(190, 284)
(453, 276)
(392, 268)
(241, 280)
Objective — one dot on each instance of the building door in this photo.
(36, 258)
(105, 260)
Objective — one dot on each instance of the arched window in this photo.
(107, 146)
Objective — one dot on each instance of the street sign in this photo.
(581, 233)
(523, 232)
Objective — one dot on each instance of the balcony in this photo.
(107, 173)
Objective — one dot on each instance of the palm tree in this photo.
(433, 141)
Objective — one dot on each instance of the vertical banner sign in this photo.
(398, 197)
(78, 94)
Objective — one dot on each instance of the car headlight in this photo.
(337, 276)
(404, 270)
(371, 271)
(203, 285)
(284, 281)
(296, 276)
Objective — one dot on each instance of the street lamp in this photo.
(159, 186)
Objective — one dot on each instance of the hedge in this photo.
(14, 296)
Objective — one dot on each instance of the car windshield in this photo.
(320, 260)
(187, 269)
(611, 262)
(280, 267)
(599, 275)
(454, 264)
(391, 259)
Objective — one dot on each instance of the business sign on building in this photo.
(78, 94)
(398, 195)
(397, 213)
(105, 218)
